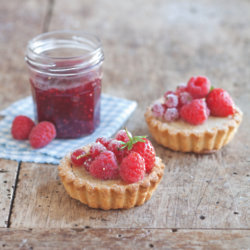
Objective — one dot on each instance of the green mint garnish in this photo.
(212, 87)
(132, 141)
(83, 155)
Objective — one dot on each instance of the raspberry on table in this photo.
(21, 127)
(198, 86)
(158, 110)
(171, 114)
(42, 134)
(97, 148)
(220, 103)
(132, 168)
(121, 135)
(147, 151)
(105, 166)
(195, 112)
(171, 101)
(78, 157)
(104, 141)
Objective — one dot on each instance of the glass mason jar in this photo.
(65, 71)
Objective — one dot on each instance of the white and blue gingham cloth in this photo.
(114, 112)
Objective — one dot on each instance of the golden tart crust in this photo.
(206, 138)
(108, 194)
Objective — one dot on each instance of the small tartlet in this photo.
(196, 117)
(108, 194)
(206, 138)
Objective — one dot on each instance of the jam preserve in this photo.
(65, 77)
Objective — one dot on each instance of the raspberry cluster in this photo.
(40, 135)
(125, 157)
(194, 102)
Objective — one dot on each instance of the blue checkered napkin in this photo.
(114, 112)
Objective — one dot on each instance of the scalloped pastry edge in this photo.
(115, 196)
(206, 141)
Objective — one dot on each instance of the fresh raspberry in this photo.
(87, 162)
(21, 127)
(220, 103)
(168, 93)
(121, 135)
(181, 88)
(184, 98)
(171, 101)
(132, 168)
(158, 110)
(105, 166)
(198, 86)
(104, 141)
(195, 112)
(171, 114)
(147, 151)
(76, 160)
(42, 134)
(115, 147)
(96, 148)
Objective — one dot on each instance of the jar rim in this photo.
(40, 49)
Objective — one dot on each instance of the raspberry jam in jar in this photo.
(65, 71)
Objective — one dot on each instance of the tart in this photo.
(112, 192)
(188, 128)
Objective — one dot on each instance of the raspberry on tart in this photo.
(158, 109)
(115, 147)
(132, 168)
(194, 112)
(122, 135)
(103, 181)
(204, 121)
(104, 166)
(220, 103)
(171, 100)
(198, 86)
(96, 149)
(78, 157)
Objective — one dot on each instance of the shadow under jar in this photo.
(65, 70)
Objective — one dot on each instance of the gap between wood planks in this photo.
(45, 28)
(14, 194)
(123, 239)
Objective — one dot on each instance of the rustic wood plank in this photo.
(123, 239)
(8, 175)
(194, 193)
(20, 21)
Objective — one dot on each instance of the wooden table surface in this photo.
(150, 46)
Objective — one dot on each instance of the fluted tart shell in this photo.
(108, 194)
(206, 138)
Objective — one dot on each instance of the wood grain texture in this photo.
(151, 47)
(195, 193)
(123, 239)
(19, 22)
(8, 174)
